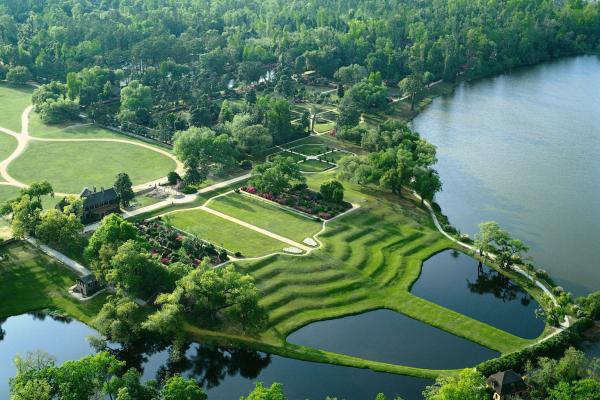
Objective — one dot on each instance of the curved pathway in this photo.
(23, 139)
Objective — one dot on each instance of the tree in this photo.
(350, 74)
(340, 90)
(369, 94)
(348, 113)
(118, 319)
(25, 215)
(198, 148)
(412, 86)
(488, 233)
(584, 389)
(136, 102)
(178, 388)
(274, 392)
(173, 178)
(253, 139)
(57, 111)
(18, 75)
(39, 189)
(61, 228)
(51, 91)
(426, 183)
(123, 187)
(277, 176)
(470, 385)
(332, 191)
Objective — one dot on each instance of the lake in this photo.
(457, 281)
(523, 149)
(388, 336)
(225, 373)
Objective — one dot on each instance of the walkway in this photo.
(70, 263)
(24, 137)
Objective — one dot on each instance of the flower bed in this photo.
(301, 198)
(171, 245)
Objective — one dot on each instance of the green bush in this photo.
(189, 190)
(57, 111)
(173, 177)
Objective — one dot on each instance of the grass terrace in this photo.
(224, 233)
(267, 216)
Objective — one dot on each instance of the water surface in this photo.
(459, 282)
(523, 149)
(224, 373)
(388, 336)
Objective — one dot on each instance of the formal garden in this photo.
(312, 157)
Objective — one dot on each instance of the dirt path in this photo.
(23, 139)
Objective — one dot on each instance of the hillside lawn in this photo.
(7, 145)
(29, 281)
(267, 216)
(71, 166)
(224, 233)
(13, 101)
(8, 192)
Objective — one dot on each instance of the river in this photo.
(523, 149)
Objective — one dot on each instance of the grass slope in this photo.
(70, 166)
(13, 101)
(224, 233)
(29, 280)
(267, 216)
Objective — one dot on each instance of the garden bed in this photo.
(167, 243)
(301, 198)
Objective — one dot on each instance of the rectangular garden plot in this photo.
(267, 216)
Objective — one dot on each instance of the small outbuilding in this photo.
(87, 285)
(506, 384)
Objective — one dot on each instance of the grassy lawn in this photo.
(324, 127)
(7, 192)
(336, 156)
(72, 130)
(70, 166)
(29, 280)
(293, 156)
(224, 233)
(13, 101)
(7, 145)
(310, 149)
(314, 166)
(266, 216)
(143, 201)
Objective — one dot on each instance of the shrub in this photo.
(173, 177)
(18, 75)
(246, 165)
(332, 191)
(57, 111)
(188, 190)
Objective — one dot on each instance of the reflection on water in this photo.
(461, 283)
(225, 373)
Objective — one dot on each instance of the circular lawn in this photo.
(71, 166)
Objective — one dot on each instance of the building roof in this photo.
(92, 198)
(89, 278)
(506, 382)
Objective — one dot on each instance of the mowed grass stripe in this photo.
(266, 216)
(224, 233)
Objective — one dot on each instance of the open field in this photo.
(70, 166)
(311, 149)
(29, 281)
(266, 216)
(71, 130)
(7, 192)
(13, 100)
(7, 145)
(224, 233)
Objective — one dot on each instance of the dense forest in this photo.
(181, 54)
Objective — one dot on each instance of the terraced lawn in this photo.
(266, 216)
(13, 101)
(70, 166)
(7, 145)
(224, 233)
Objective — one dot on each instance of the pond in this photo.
(459, 282)
(388, 336)
(522, 149)
(225, 373)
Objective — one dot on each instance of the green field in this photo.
(323, 127)
(7, 192)
(29, 281)
(7, 145)
(71, 130)
(266, 216)
(224, 233)
(311, 149)
(286, 154)
(70, 166)
(314, 166)
(13, 101)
